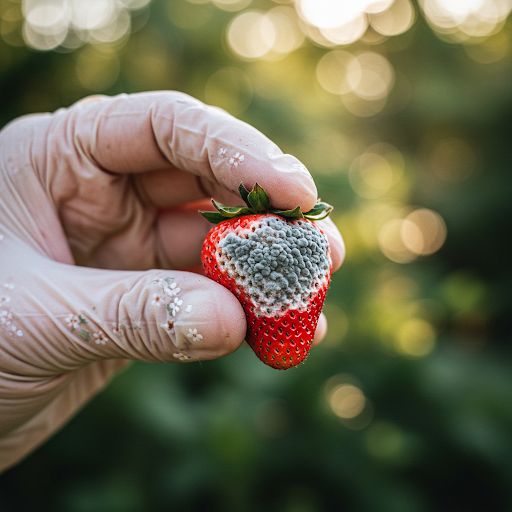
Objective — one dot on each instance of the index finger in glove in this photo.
(143, 132)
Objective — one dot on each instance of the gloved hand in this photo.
(93, 196)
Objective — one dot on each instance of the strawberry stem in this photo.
(257, 201)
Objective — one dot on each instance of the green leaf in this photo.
(213, 217)
(231, 211)
(244, 194)
(258, 199)
(320, 211)
(259, 202)
(296, 213)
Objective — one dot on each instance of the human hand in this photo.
(91, 198)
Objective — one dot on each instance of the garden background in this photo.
(403, 113)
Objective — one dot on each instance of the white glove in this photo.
(108, 184)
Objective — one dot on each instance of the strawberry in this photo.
(278, 264)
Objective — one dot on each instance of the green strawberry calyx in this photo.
(257, 201)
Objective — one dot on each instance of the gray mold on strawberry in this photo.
(277, 263)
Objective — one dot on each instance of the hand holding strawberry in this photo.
(278, 264)
(98, 225)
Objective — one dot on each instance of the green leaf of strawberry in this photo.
(244, 194)
(213, 217)
(296, 213)
(231, 211)
(320, 211)
(257, 201)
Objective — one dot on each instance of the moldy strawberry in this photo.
(278, 264)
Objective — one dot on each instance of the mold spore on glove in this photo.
(278, 263)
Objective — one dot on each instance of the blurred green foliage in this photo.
(406, 406)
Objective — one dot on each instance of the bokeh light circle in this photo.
(251, 34)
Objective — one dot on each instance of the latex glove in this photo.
(106, 184)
